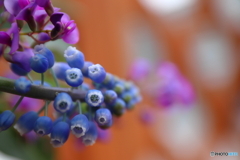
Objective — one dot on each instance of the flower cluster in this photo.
(165, 85)
(82, 109)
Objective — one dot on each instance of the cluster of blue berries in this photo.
(108, 96)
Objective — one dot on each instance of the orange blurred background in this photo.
(202, 38)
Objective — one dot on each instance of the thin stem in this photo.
(90, 111)
(65, 117)
(42, 79)
(79, 106)
(17, 104)
(41, 109)
(30, 78)
(46, 108)
(54, 77)
(35, 32)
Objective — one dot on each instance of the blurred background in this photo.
(202, 38)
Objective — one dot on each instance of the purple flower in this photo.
(42, 3)
(1, 3)
(172, 86)
(139, 69)
(14, 6)
(27, 14)
(64, 28)
(5, 38)
(22, 58)
(40, 15)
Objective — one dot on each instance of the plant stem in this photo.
(17, 104)
(79, 107)
(41, 109)
(46, 108)
(65, 117)
(41, 92)
(54, 77)
(42, 79)
(30, 78)
(35, 32)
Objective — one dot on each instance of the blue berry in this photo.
(85, 68)
(96, 73)
(22, 85)
(109, 81)
(26, 122)
(118, 108)
(18, 70)
(127, 96)
(62, 102)
(103, 117)
(6, 120)
(74, 77)
(110, 96)
(39, 63)
(43, 125)
(60, 68)
(79, 125)
(94, 98)
(119, 88)
(74, 57)
(41, 49)
(91, 135)
(60, 133)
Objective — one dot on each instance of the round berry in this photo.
(41, 49)
(94, 98)
(103, 117)
(62, 102)
(74, 77)
(79, 125)
(96, 73)
(43, 125)
(39, 63)
(74, 57)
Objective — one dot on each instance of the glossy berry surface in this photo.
(6, 120)
(74, 77)
(43, 50)
(43, 125)
(79, 125)
(26, 122)
(94, 98)
(74, 57)
(96, 73)
(39, 63)
(103, 117)
(63, 102)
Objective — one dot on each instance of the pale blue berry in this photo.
(39, 63)
(94, 98)
(96, 73)
(63, 102)
(74, 57)
(74, 77)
